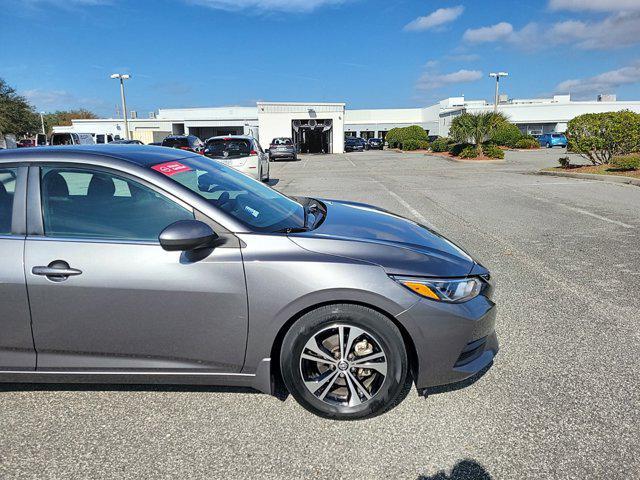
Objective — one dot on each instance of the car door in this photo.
(104, 295)
(16, 342)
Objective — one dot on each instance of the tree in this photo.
(17, 115)
(601, 136)
(475, 127)
(65, 117)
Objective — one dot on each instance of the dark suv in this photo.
(190, 143)
(375, 144)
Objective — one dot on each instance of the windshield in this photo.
(245, 199)
(228, 147)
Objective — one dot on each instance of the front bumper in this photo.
(453, 341)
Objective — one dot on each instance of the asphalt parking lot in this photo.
(562, 400)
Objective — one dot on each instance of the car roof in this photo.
(222, 137)
(142, 155)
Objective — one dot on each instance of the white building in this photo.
(321, 127)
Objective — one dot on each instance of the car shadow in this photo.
(272, 182)
(452, 387)
(463, 470)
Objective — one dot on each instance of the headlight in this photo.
(443, 290)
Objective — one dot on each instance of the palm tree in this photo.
(475, 127)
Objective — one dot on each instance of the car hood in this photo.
(401, 246)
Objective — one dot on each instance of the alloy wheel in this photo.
(343, 365)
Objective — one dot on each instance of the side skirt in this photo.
(260, 381)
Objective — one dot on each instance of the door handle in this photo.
(56, 271)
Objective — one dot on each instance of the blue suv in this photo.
(551, 140)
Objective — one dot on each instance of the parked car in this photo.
(26, 143)
(148, 265)
(551, 140)
(70, 138)
(282, 147)
(103, 138)
(241, 152)
(353, 144)
(375, 144)
(126, 142)
(191, 143)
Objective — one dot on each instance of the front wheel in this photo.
(345, 362)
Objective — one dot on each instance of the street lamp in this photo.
(497, 77)
(42, 122)
(122, 78)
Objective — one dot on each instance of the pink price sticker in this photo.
(171, 168)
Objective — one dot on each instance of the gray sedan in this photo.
(133, 264)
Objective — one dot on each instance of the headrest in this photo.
(101, 186)
(55, 185)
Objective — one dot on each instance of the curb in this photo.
(594, 176)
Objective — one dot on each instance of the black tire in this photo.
(392, 389)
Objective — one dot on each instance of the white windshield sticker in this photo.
(253, 212)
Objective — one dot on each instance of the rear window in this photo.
(228, 147)
(281, 141)
(557, 135)
(175, 142)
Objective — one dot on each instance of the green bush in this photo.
(492, 151)
(565, 162)
(627, 162)
(506, 135)
(440, 144)
(527, 143)
(396, 137)
(456, 149)
(599, 137)
(468, 151)
(409, 145)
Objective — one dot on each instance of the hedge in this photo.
(599, 137)
(396, 137)
(440, 144)
(506, 135)
(626, 162)
(527, 143)
(415, 145)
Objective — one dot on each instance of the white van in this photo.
(71, 138)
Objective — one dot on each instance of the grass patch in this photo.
(598, 170)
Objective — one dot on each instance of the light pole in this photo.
(122, 78)
(497, 77)
(42, 122)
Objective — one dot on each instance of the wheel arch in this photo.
(276, 347)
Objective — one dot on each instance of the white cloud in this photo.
(615, 31)
(50, 100)
(293, 6)
(435, 19)
(606, 82)
(464, 57)
(595, 5)
(499, 31)
(430, 81)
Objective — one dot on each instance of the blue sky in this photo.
(369, 54)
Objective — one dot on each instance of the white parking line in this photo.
(418, 216)
(349, 160)
(569, 207)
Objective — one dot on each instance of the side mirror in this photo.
(187, 235)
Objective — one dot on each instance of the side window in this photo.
(7, 189)
(99, 138)
(85, 203)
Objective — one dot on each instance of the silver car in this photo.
(138, 264)
(241, 152)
